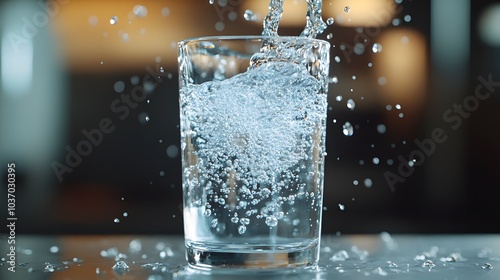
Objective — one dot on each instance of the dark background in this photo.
(456, 189)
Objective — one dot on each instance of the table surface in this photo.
(381, 256)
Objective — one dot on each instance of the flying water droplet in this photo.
(351, 104)
(347, 9)
(211, 2)
(54, 249)
(249, 15)
(140, 11)
(330, 21)
(116, 220)
(368, 183)
(113, 20)
(341, 207)
(376, 48)
(329, 36)
(347, 129)
(381, 128)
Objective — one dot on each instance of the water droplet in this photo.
(340, 256)
(219, 26)
(119, 86)
(351, 105)
(245, 221)
(271, 221)
(376, 48)
(381, 128)
(330, 21)
(135, 246)
(93, 20)
(249, 15)
(359, 48)
(165, 11)
(235, 220)
(98, 271)
(355, 182)
(368, 183)
(376, 160)
(49, 268)
(407, 18)
(162, 173)
(329, 36)
(388, 107)
(341, 207)
(242, 229)
(116, 220)
(211, 2)
(125, 214)
(54, 249)
(339, 98)
(347, 9)
(334, 80)
(354, 77)
(347, 129)
(140, 11)
(429, 264)
(113, 20)
(382, 81)
(337, 59)
(487, 266)
(401, 115)
(172, 151)
(120, 267)
(370, 64)
(396, 22)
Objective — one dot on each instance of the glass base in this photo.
(252, 257)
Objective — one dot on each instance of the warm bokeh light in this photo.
(294, 11)
(361, 12)
(401, 70)
(104, 35)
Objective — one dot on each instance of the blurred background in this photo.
(412, 136)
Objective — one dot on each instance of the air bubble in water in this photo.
(351, 104)
(347, 9)
(330, 21)
(429, 264)
(347, 129)
(376, 48)
(207, 212)
(120, 267)
(242, 229)
(271, 221)
(214, 223)
(140, 11)
(249, 15)
(113, 20)
(235, 220)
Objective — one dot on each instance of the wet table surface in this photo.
(380, 256)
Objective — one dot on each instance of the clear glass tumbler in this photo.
(253, 122)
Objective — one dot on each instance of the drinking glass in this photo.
(253, 122)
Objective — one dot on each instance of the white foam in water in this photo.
(262, 118)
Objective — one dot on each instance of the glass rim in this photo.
(249, 37)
